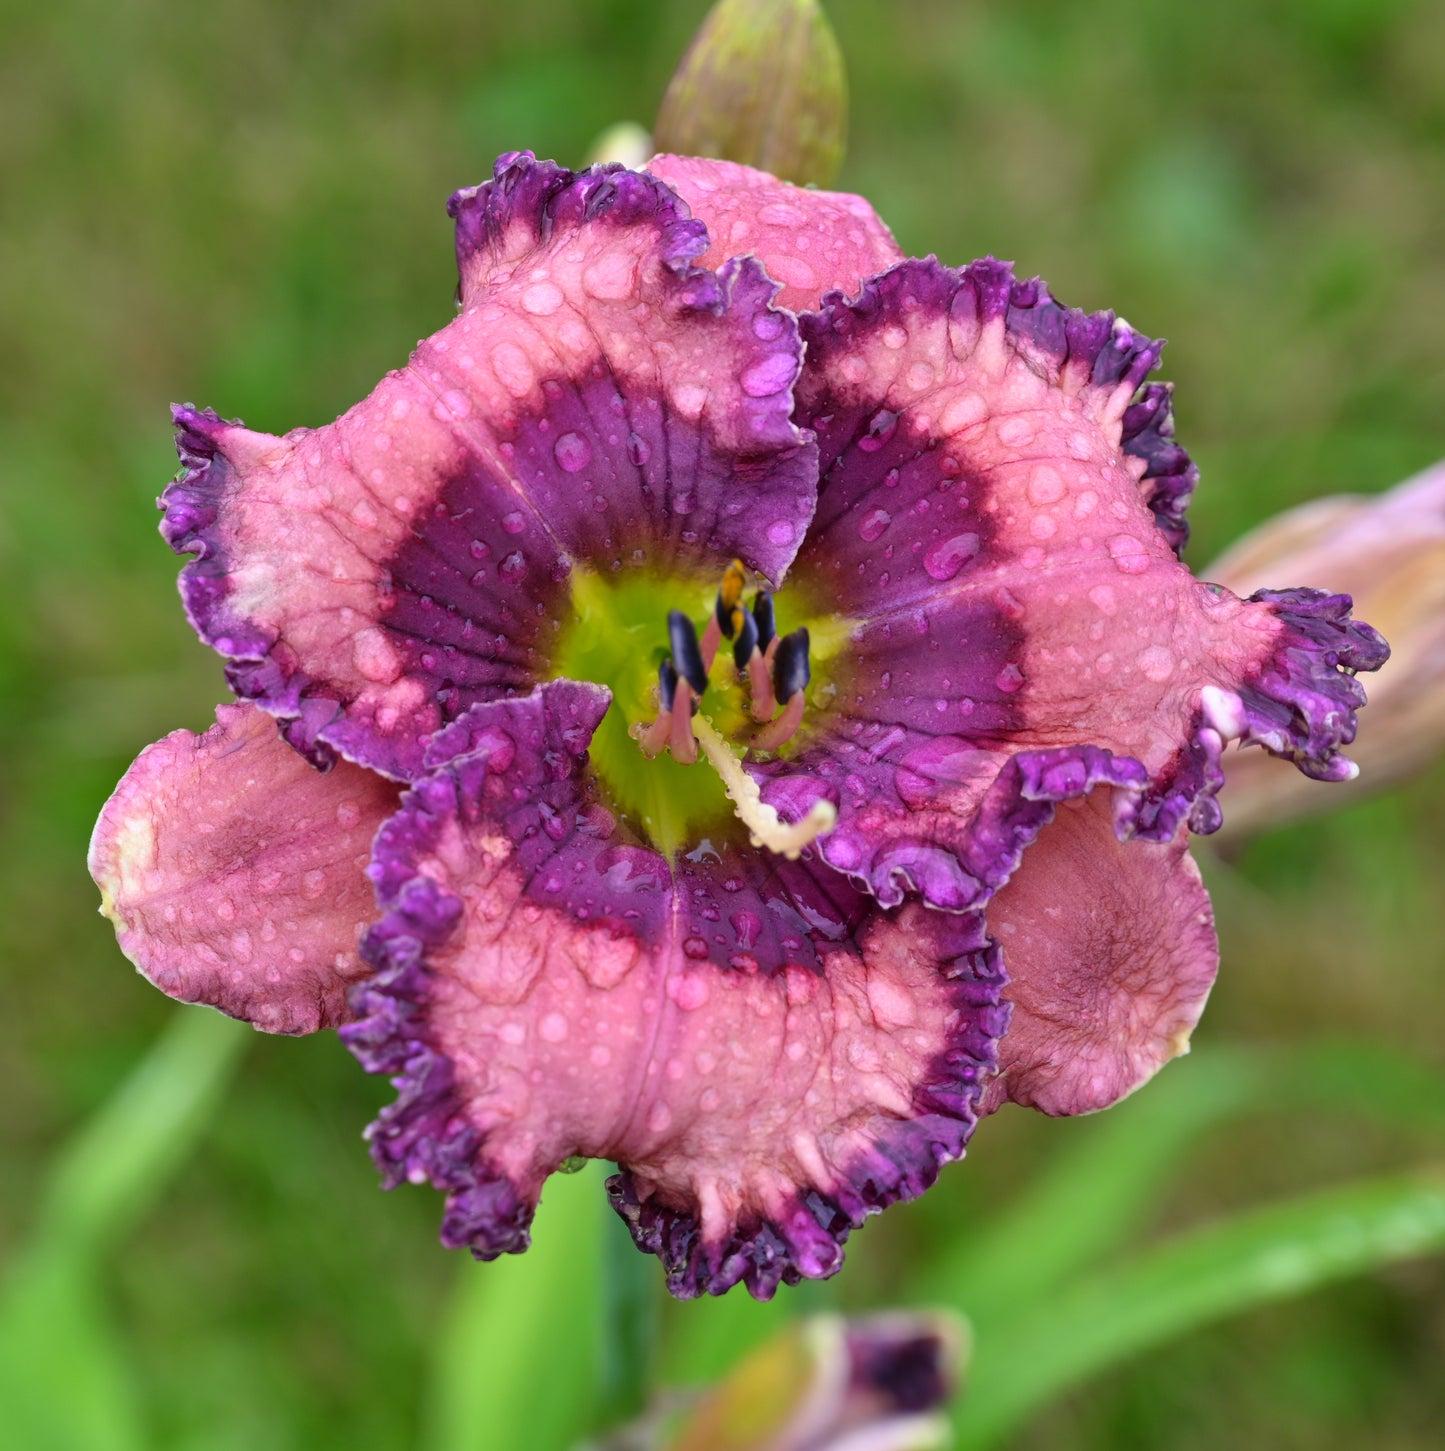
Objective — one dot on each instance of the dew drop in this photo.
(659, 1118)
(689, 991)
(573, 452)
(695, 948)
(881, 427)
(873, 523)
(769, 376)
(552, 1028)
(542, 299)
(944, 559)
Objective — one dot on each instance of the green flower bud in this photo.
(762, 83)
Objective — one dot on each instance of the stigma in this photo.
(773, 672)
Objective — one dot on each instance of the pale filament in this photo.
(765, 826)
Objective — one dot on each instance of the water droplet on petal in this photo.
(873, 523)
(573, 452)
(945, 558)
(542, 299)
(688, 990)
(769, 376)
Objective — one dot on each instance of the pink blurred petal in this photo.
(1387, 552)
(235, 873)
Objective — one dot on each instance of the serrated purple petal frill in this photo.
(987, 563)
(599, 402)
(767, 1055)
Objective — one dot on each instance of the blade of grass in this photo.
(1270, 1254)
(516, 1367)
(1094, 1196)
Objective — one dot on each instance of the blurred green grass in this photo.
(242, 205)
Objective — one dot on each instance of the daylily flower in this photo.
(800, 700)
(827, 1384)
(1388, 552)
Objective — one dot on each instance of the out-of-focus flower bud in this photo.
(625, 143)
(829, 1384)
(762, 83)
(1388, 552)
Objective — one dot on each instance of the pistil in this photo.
(765, 827)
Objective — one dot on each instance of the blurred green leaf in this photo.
(1095, 1196)
(516, 1364)
(64, 1379)
(1270, 1254)
(119, 1163)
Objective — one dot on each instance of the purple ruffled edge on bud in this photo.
(806, 1241)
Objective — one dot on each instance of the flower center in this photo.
(662, 753)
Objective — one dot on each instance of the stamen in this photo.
(729, 597)
(791, 670)
(764, 704)
(666, 684)
(681, 740)
(765, 826)
(747, 641)
(763, 616)
(654, 737)
(686, 653)
(783, 729)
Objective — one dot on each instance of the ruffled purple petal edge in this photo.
(805, 1240)
(1114, 354)
(420, 1137)
(191, 505)
(1300, 706)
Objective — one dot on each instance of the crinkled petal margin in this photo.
(757, 1112)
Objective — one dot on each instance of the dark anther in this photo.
(746, 642)
(686, 653)
(666, 685)
(763, 617)
(791, 671)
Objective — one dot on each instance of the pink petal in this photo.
(810, 241)
(1003, 571)
(235, 873)
(766, 1055)
(600, 401)
(1110, 951)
